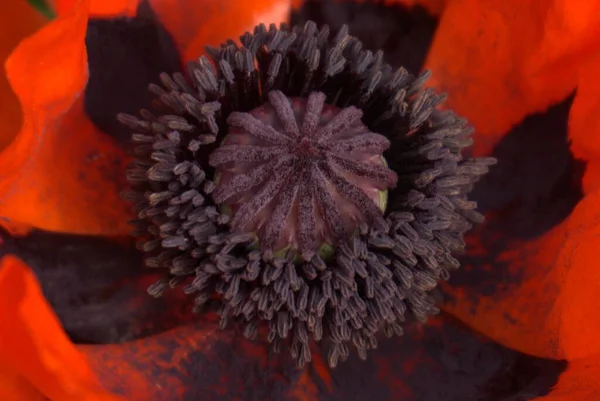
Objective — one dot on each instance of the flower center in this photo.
(301, 174)
(306, 150)
(296, 176)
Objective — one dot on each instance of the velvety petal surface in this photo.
(37, 360)
(440, 360)
(510, 62)
(101, 8)
(60, 173)
(492, 58)
(17, 21)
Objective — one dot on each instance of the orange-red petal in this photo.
(584, 124)
(59, 173)
(101, 8)
(483, 54)
(506, 63)
(37, 360)
(439, 360)
(571, 47)
(17, 21)
(542, 301)
(124, 368)
(571, 37)
(195, 359)
(197, 23)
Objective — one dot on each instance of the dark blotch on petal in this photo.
(403, 33)
(445, 361)
(96, 287)
(124, 56)
(245, 373)
(538, 183)
(535, 188)
(441, 361)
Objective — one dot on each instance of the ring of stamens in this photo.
(376, 276)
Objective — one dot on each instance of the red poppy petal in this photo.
(199, 359)
(485, 64)
(570, 47)
(442, 359)
(195, 24)
(576, 306)
(580, 382)
(17, 21)
(584, 125)
(101, 8)
(60, 173)
(544, 300)
(35, 354)
(571, 37)
(16, 388)
(506, 63)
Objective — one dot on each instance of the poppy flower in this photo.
(314, 101)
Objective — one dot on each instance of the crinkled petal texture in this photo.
(17, 21)
(200, 362)
(546, 302)
(59, 173)
(584, 123)
(511, 58)
(37, 360)
(507, 62)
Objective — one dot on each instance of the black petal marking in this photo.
(124, 55)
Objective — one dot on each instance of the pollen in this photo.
(301, 174)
